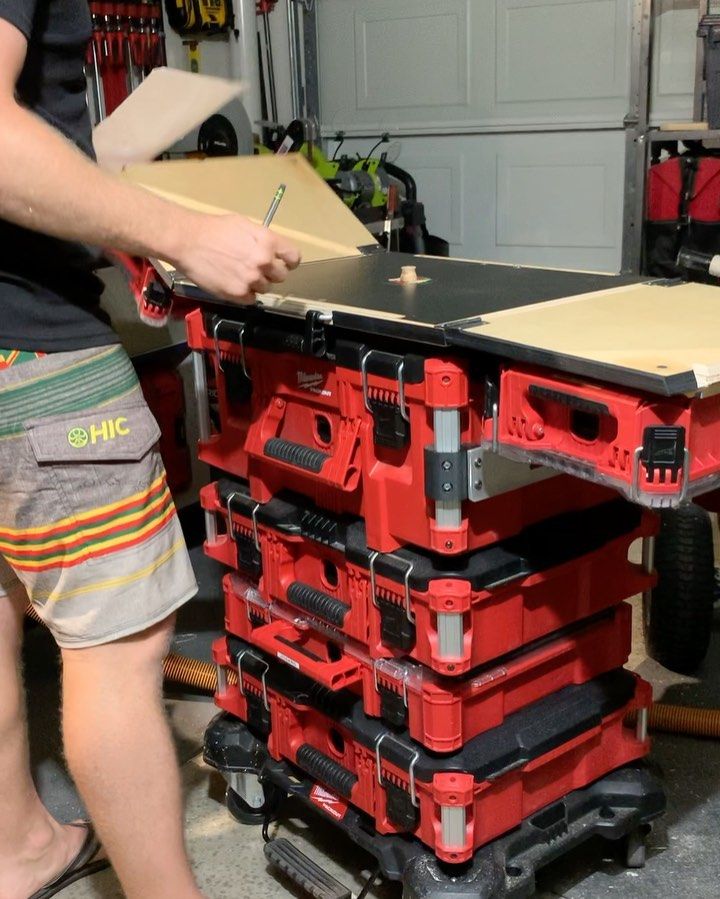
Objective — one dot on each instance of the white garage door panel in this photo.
(674, 48)
(543, 46)
(433, 65)
(392, 49)
(558, 204)
(544, 199)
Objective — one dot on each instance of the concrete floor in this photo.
(228, 857)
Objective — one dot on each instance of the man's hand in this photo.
(232, 258)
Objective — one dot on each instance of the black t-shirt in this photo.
(49, 295)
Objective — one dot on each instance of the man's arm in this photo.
(48, 185)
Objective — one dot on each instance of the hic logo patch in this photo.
(328, 802)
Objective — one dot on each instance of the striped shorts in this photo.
(88, 529)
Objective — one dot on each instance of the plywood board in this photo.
(310, 213)
(663, 332)
(162, 109)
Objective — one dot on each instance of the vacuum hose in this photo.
(669, 719)
(678, 719)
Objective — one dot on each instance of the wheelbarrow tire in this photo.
(678, 612)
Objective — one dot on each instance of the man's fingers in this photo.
(259, 284)
(289, 254)
(277, 272)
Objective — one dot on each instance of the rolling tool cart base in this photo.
(619, 807)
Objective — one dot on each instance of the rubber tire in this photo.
(245, 814)
(678, 612)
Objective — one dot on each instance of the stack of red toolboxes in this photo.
(423, 633)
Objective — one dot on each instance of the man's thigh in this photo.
(87, 523)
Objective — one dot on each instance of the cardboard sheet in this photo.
(310, 214)
(164, 108)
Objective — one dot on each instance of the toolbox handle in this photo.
(279, 638)
(295, 454)
(309, 599)
(327, 770)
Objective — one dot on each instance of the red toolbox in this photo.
(455, 803)
(658, 451)
(440, 713)
(367, 432)
(449, 614)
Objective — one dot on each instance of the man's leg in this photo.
(34, 848)
(120, 752)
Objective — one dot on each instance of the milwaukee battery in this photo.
(395, 439)
(451, 615)
(454, 803)
(440, 713)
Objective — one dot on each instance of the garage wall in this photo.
(429, 65)
(509, 112)
(541, 198)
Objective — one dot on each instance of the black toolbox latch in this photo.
(664, 451)
(391, 419)
(397, 621)
(402, 805)
(249, 557)
(315, 336)
(391, 685)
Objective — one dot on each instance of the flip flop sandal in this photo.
(81, 866)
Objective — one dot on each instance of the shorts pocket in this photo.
(124, 434)
(102, 474)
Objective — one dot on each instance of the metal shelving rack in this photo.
(639, 136)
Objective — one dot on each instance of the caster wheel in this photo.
(636, 849)
(246, 814)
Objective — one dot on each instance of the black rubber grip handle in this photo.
(296, 454)
(318, 603)
(321, 767)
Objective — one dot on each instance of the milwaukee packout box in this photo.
(452, 803)
(448, 614)
(391, 437)
(440, 713)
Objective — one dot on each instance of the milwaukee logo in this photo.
(305, 379)
(332, 805)
(313, 382)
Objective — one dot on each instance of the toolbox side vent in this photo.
(318, 527)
